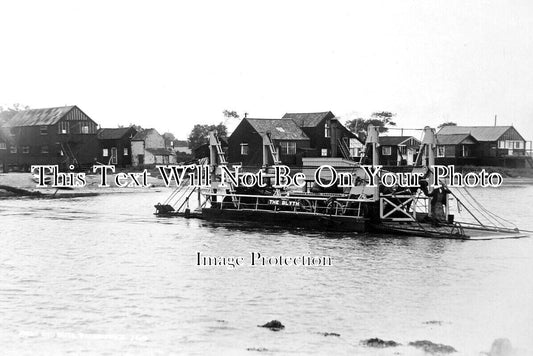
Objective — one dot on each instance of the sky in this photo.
(173, 64)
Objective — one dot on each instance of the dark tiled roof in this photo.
(112, 134)
(455, 139)
(141, 136)
(279, 129)
(394, 140)
(480, 133)
(38, 117)
(159, 151)
(310, 119)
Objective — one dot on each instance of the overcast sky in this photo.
(170, 64)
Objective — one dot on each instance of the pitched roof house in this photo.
(296, 135)
(245, 144)
(61, 135)
(398, 150)
(495, 146)
(115, 145)
(327, 135)
(456, 149)
(148, 148)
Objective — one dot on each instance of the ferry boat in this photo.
(359, 208)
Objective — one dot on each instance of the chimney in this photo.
(495, 119)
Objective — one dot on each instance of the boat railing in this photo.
(318, 205)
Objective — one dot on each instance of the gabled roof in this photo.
(480, 133)
(159, 151)
(310, 119)
(112, 134)
(395, 140)
(141, 136)
(279, 129)
(455, 139)
(38, 117)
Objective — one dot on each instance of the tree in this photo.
(230, 114)
(381, 120)
(447, 123)
(10, 111)
(200, 134)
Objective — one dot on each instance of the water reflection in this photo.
(104, 274)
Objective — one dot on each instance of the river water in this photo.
(103, 275)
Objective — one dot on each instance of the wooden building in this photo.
(496, 145)
(5, 142)
(61, 136)
(398, 150)
(115, 146)
(148, 148)
(456, 149)
(245, 145)
(326, 134)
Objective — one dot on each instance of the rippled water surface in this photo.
(103, 275)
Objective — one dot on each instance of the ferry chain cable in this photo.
(466, 199)
(473, 207)
(482, 211)
(479, 208)
(488, 211)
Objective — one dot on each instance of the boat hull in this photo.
(288, 218)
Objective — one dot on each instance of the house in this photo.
(496, 145)
(61, 136)
(246, 143)
(115, 145)
(398, 150)
(148, 148)
(457, 149)
(5, 142)
(328, 137)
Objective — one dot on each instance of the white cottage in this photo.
(148, 148)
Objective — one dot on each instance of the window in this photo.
(465, 150)
(84, 128)
(511, 144)
(441, 151)
(44, 150)
(324, 152)
(105, 152)
(13, 149)
(386, 150)
(327, 129)
(288, 148)
(43, 130)
(244, 149)
(63, 128)
(26, 149)
(125, 151)
(3, 146)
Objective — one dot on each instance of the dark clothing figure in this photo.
(439, 197)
